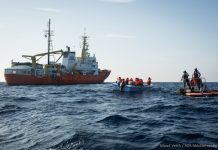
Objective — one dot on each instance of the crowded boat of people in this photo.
(130, 85)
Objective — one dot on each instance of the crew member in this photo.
(197, 79)
(186, 80)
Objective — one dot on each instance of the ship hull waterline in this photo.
(65, 79)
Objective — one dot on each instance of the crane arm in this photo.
(54, 52)
(41, 54)
(27, 56)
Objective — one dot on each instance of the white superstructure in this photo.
(84, 64)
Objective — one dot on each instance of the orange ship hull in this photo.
(65, 79)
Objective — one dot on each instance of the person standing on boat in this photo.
(197, 79)
(197, 74)
(186, 80)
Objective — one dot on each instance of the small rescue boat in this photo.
(197, 87)
(130, 88)
(198, 93)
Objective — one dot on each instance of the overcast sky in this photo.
(132, 38)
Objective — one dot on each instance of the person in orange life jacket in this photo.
(186, 80)
(197, 79)
(149, 81)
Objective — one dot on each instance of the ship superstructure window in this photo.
(17, 71)
(8, 71)
(26, 72)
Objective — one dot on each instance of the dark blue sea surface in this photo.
(99, 118)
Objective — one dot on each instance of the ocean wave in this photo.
(94, 141)
(24, 99)
(116, 145)
(135, 109)
(186, 136)
(80, 140)
(9, 109)
(159, 108)
(17, 136)
(154, 123)
(57, 93)
(182, 138)
(196, 108)
(88, 100)
(186, 141)
(89, 91)
(115, 120)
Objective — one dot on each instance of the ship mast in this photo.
(85, 48)
(48, 34)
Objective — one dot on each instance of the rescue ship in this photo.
(72, 70)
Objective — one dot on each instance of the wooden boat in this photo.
(130, 88)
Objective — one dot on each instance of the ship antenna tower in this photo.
(48, 34)
(85, 47)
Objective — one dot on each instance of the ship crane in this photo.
(35, 59)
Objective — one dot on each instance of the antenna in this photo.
(85, 47)
(48, 34)
(84, 32)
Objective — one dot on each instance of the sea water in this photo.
(97, 117)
